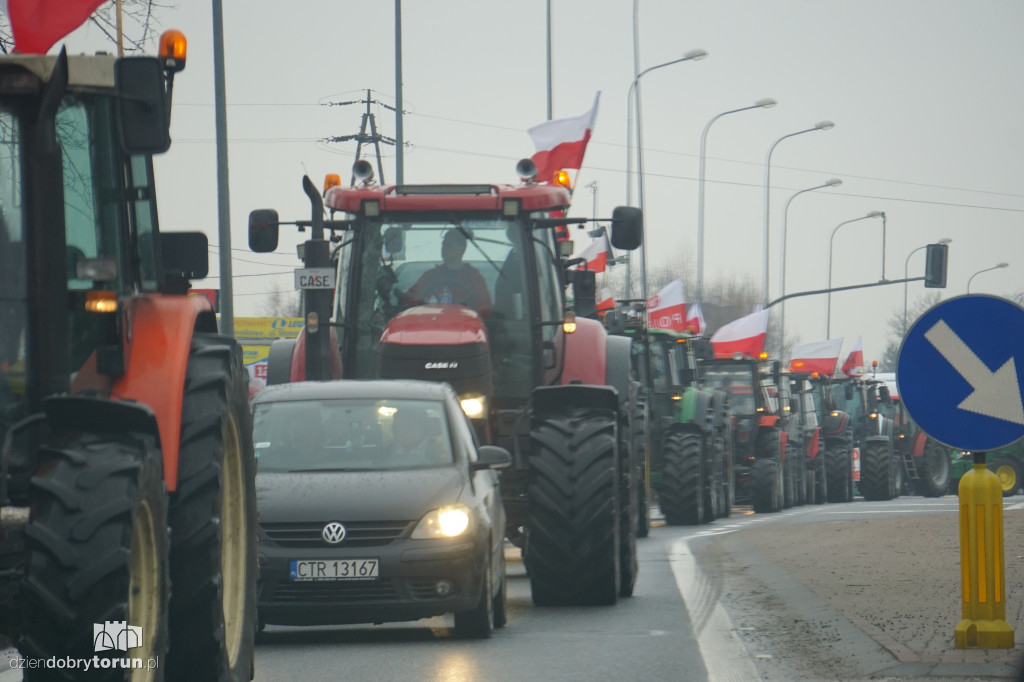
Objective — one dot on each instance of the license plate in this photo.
(334, 569)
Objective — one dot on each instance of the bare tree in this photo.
(139, 25)
(281, 304)
(895, 327)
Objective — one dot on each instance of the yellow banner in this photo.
(267, 327)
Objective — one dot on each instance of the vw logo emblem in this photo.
(333, 533)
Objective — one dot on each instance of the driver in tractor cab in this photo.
(452, 281)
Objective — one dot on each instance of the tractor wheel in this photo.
(1008, 470)
(712, 476)
(934, 469)
(728, 484)
(877, 475)
(681, 492)
(764, 486)
(479, 623)
(97, 554)
(820, 479)
(639, 434)
(630, 484)
(839, 471)
(572, 553)
(898, 479)
(500, 606)
(213, 520)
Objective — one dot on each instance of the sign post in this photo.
(958, 376)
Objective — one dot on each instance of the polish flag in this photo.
(605, 302)
(854, 364)
(667, 308)
(38, 24)
(695, 323)
(745, 336)
(562, 142)
(597, 254)
(816, 356)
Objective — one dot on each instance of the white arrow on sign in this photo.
(996, 394)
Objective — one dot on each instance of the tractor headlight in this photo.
(474, 405)
(444, 522)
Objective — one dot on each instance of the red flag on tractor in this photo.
(38, 24)
(745, 336)
(667, 308)
(562, 142)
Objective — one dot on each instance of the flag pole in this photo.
(120, 32)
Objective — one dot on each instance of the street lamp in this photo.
(765, 103)
(998, 266)
(834, 182)
(692, 55)
(906, 274)
(821, 125)
(828, 315)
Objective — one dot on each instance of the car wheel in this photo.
(478, 623)
(500, 605)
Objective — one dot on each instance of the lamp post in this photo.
(828, 315)
(906, 274)
(765, 103)
(692, 55)
(834, 182)
(998, 266)
(821, 125)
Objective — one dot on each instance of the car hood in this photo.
(355, 495)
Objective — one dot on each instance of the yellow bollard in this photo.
(984, 623)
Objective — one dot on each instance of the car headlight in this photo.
(473, 405)
(444, 522)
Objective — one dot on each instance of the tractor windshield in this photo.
(13, 290)
(401, 260)
(738, 382)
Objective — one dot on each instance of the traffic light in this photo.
(935, 266)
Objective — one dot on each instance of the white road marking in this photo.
(725, 656)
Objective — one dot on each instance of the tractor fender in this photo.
(546, 399)
(812, 445)
(767, 420)
(695, 406)
(297, 370)
(834, 422)
(619, 367)
(279, 361)
(91, 413)
(586, 354)
(720, 408)
(156, 348)
(917, 449)
(877, 439)
(783, 442)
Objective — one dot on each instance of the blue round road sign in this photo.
(960, 372)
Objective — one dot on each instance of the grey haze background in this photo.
(926, 96)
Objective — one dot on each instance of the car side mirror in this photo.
(491, 457)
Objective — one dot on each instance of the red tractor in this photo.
(466, 284)
(127, 459)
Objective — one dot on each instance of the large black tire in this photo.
(768, 483)
(639, 435)
(728, 482)
(500, 606)
(681, 493)
(97, 552)
(765, 488)
(213, 520)
(479, 623)
(630, 485)
(712, 473)
(934, 469)
(898, 478)
(572, 551)
(877, 473)
(1009, 472)
(820, 469)
(839, 471)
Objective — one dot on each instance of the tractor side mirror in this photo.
(848, 391)
(584, 292)
(185, 257)
(883, 393)
(142, 110)
(263, 229)
(627, 227)
(565, 248)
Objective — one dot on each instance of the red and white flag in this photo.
(695, 323)
(38, 24)
(816, 356)
(745, 336)
(667, 308)
(854, 364)
(562, 142)
(605, 301)
(597, 254)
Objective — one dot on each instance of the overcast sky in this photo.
(926, 96)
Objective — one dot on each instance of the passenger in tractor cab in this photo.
(452, 281)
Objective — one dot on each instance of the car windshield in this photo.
(351, 435)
